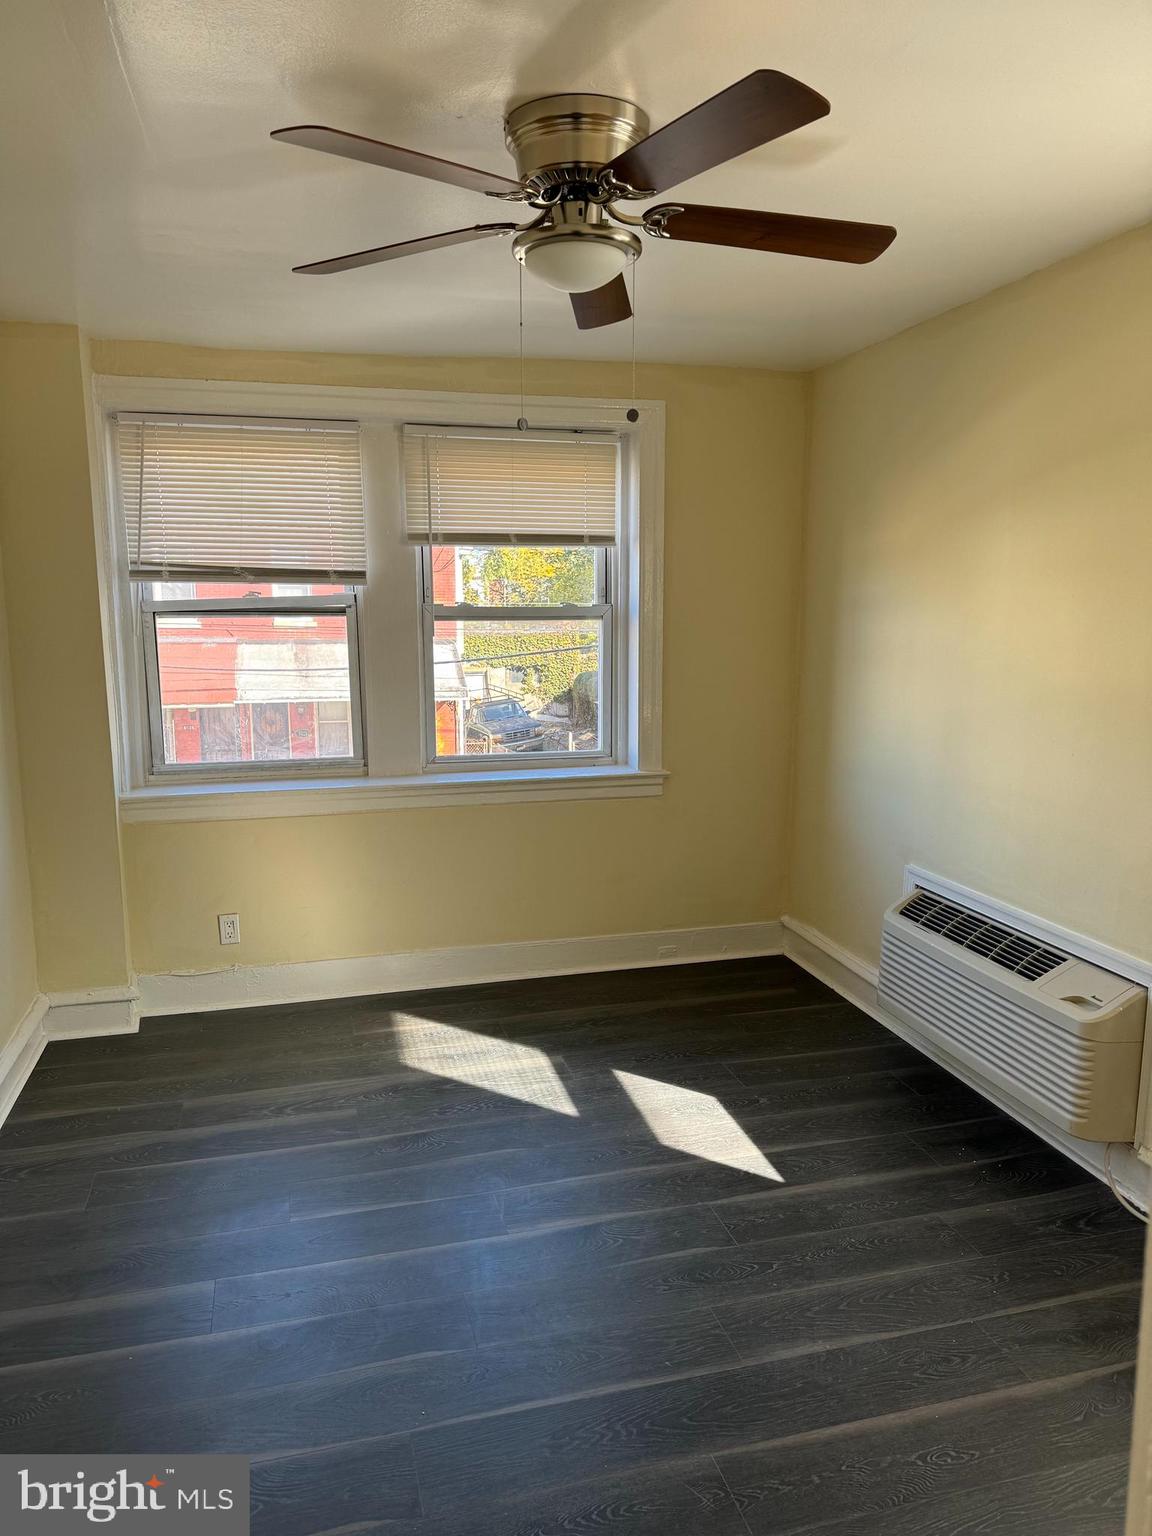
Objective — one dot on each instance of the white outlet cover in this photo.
(229, 925)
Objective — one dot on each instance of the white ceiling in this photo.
(143, 198)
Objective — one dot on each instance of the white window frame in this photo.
(612, 713)
(391, 617)
(159, 771)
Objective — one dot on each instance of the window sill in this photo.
(324, 797)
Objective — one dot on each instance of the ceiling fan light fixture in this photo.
(577, 250)
(575, 266)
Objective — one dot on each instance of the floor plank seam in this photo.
(926, 1501)
(950, 1215)
(798, 1191)
(886, 1176)
(1028, 1370)
(737, 1353)
(1023, 1389)
(420, 1498)
(262, 1458)
(530, 1405)
(589, 1394)
(736, 1502)
(851, 1341)
(906, 1272)
(729, 1248)
(670, 1159)
(848, 1429)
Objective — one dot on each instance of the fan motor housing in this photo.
(568, 139)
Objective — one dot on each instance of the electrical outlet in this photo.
(666, 951)
(229, 923)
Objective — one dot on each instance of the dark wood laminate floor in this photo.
(696, 1249)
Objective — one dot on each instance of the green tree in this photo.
(524, 575)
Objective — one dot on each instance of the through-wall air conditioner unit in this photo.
(1060, 1036)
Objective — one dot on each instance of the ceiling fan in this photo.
(579, 154)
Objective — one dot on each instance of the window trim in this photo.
(160, 772)
(389, 613)
(264, 798)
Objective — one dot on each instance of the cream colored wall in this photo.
(977, 640)
(18, 986)
(58, 681)
(710, 851)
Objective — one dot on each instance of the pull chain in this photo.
(522, 422)
(633, 414)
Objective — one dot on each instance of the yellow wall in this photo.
(58, 679)
(710, 851)
(17, 947)
(977, 639)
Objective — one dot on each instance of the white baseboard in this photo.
(856, 980)
(244, 986)
(62, 1016)
(22, 1053)
(96, 1011)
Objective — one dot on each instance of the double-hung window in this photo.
(317, 589)
(519, 574)
(246, 549)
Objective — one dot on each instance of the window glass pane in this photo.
(237, 688)
(515, 576)
(334, 727)
(517, 686)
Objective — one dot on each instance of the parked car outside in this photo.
(503, 725)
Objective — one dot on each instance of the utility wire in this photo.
(309, 672)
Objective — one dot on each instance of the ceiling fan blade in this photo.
(405, 248)
(601, 306)
(791, 234)
(762, 106)
(332, 141)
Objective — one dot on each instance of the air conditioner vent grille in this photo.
(1012, 951)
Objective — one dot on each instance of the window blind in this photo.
(469, 485)
(231, 496)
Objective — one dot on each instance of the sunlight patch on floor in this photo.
(506, 1067)
(696, 1123)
